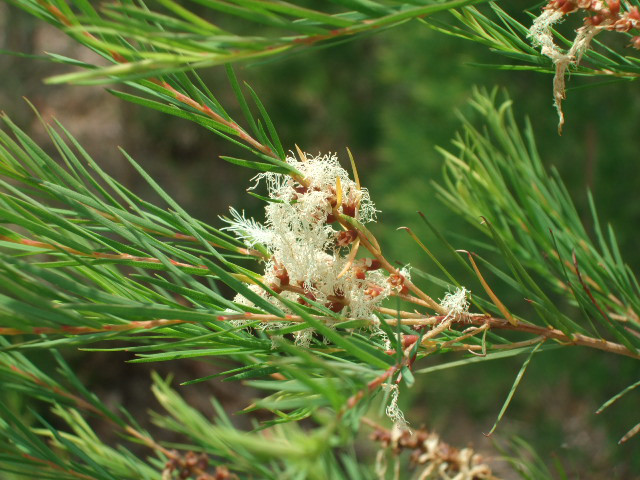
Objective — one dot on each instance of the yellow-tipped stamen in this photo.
(301, 154)
(351, 258)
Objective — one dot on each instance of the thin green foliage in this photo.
(497, 29)
(87, 263)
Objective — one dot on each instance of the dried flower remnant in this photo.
(393, 410)
(311, 246)
(193, 465)
(601, 15)
(437, 459)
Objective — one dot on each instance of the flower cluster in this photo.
(312, 232)
(437, 459)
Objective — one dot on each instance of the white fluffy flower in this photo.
(300, 231)
(456, 304)
(247, 229)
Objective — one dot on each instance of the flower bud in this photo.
(334, 306)
(371, 264)
(374, 290)
(349, 209)
(397, 282)
(346, 237)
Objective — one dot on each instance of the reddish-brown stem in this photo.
(187, 238)
(69, 330)
(149, 442)
(554, 334)
(62, 18)
(206, 110)
(182, 98)
(479, 320)
(371, 386)
(399, 313)
(244, 251)
(426, 299)
(265, 317)
(108, 256)
(412, 299)
(466, 347)
(57, 467)
(464, 336)
(79, 402)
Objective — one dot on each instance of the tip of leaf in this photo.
(356, 178)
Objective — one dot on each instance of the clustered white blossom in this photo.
(457, 303)
(309, 250)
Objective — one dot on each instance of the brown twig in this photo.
(73, 330)
(372, 385)
(56, 467)
(79, 402)
(183, 237)
(423, 298)
(492, 323)
(98, 255)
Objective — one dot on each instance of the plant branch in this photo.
(483, 321)
(69, 330)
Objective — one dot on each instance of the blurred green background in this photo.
(391, 98)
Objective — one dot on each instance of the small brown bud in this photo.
(396, 280)
(281, 273)
(346, 237)
(595, 20)
(276, 286)
(190, 460)
(622, 25)
(371, 264)
(565, 6)
(349, 209)
(334, 306)
(222, 473)
(203, 461)
(374, 291)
